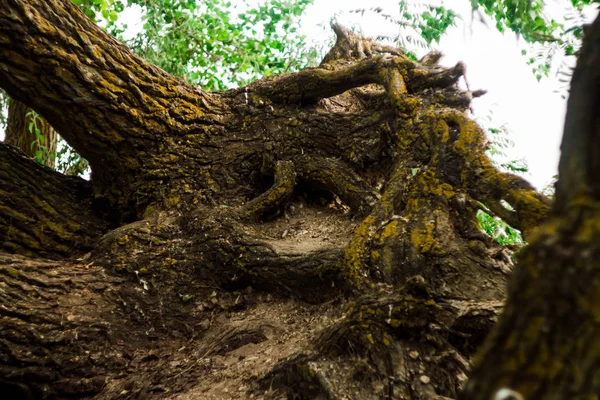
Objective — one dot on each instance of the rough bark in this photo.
(21, 133)
(545, 345)
(44, 213)
(194, 194)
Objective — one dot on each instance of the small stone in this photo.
(425, 379)
(204, 325)
(413, 354)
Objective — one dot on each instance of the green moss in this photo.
(390, 230)
(121, 264)
(11, 272)
(354, 252)
(168, 261)
(424, 239)
(375, 255)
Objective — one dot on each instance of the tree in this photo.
(134, 283)
(545, 343)
(205, 44)
(34, 136)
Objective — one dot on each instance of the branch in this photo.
(106, 101)
(275, 198)
(44, 213)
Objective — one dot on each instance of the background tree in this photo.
(30, 133)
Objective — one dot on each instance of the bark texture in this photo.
(545, 345)
(349, 191)
(44, 213)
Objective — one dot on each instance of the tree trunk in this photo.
(30, 133)
(544, 346)
(327, 217)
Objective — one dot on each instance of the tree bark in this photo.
(544, 346)
(44, 213)
(193, 194)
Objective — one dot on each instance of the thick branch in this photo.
(105, 101)
(310, 85)
(50, 315)
(275, 198)
(44, 213)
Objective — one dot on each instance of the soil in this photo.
(242, 335)
(272, 330)
(289, 328)
(307, 227)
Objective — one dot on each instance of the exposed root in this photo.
(277, 196)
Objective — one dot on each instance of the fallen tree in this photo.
(325, 220)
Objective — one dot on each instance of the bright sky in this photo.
(532, 111)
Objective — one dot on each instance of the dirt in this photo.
(289, 328)
(306, 228)
(238, 337)
(272, 330)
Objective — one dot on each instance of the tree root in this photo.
(275, 198)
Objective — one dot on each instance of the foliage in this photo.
(419, 24)
(42, 153)
(549, 189)
(214, 44)
(108, 9)
(422, 23)
(216, 49)
(499, 143)
(498, 229)
(530, 20)
(68, 161)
